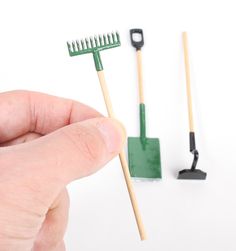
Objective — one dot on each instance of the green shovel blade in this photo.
(144, 153)
(144, 157)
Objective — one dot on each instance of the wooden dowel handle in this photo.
(132, 196)
(188, 86)
(140, 76)
(123, 160)
(105, 93)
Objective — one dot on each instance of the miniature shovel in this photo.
(143, 152)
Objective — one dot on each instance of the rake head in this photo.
(93, 44)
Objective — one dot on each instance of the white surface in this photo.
(178, 215)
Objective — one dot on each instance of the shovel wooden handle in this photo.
(123, 160)
(137, 41)
(140, 76)
(187, 72)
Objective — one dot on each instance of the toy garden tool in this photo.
(143, 152)
(193, 173)
(94, 46)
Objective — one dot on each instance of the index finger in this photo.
(25, 111)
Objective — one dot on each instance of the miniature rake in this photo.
(94, 46)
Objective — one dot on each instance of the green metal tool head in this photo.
(144, 158)
(94, 45)
(144, 153)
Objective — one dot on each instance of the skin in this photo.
(46, 142)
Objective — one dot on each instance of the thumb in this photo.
(70, 153)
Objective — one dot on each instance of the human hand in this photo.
(46, 142)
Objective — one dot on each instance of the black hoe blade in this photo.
(188, 174)
(193, 173)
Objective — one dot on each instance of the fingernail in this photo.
(114, 134)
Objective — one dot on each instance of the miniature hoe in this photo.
(144, 153)
(94, 46)
(193, 173)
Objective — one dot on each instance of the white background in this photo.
(178, 215)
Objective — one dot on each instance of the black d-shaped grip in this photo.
(136, 36)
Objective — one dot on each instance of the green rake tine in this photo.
(118, 37)
(109, 38)
(100, 40)
(73, 46)
(82, 44)
(78, 45)
(69, 47)
(96, 41)
(104, 40)
(91, 42)
(113, 37)
(87, 43)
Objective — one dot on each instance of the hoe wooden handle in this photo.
(123, 160)
(187, 72)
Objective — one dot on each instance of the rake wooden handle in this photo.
(123, 160)
(140, 76)
(187, 72)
